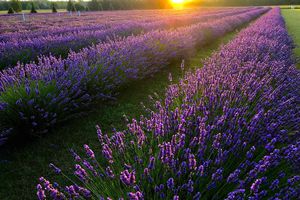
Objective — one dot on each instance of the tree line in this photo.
(78, 5)
(96, 5)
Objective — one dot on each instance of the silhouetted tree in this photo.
(79, 6)
(70, 5)
(33, 10)
(10, 11)
(94, 5)
(54, 8)
(73, 9)
(16, 5)
(107, 5)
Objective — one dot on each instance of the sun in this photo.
(178, 4)
(177, 1)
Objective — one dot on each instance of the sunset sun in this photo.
(178, 3)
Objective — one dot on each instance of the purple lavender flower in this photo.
(56, 169)
(218, 175)
(80, 173)
(128, 178)
(197, 196)
(151, 163)
(107, 153)
(236, 195)
(190, 186)
(72, 191)
(233, 177)
(146, 171)
(99, 134)
(192, 162)
(90, 167)
(256, 185)
(176, 197)
(84, 192)
(135, 196)
(40, 192)
(274, 184)
(75, 155)
(89, 152)
(170, 183)
(109, 172)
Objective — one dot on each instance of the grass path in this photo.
(21, 165)
(292, 18)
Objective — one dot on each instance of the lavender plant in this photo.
(71, 84)
(228, 131)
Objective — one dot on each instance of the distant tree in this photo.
(73, 9)
(16, 5)
(54, 8)
(94, 5)
(70, 5)
(79, 6)
(4, 5)
(10, 11)
(26, 6)
(33, 10)
(106, 4)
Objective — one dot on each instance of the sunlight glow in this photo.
(178, 3)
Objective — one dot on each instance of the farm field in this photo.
(37, 155)
(160, 104)
(20, 47)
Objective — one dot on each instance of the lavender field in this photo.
(198, 103)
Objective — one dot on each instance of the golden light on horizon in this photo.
(178, 3)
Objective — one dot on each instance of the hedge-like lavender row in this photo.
(28, 49)
(36, 96)
(67, 28)
(14, 23)
(223, 132)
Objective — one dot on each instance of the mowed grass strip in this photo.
(22, 164)
(292, 19)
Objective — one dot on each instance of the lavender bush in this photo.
(228, 131)
(35, 96)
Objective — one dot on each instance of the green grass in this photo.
(289, 7)
(292, 18)
(38, 10)
(22, 164)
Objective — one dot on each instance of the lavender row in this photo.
(34, 97)
(15, 23)
(67, 28)
(28, 49)
(223, 132)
